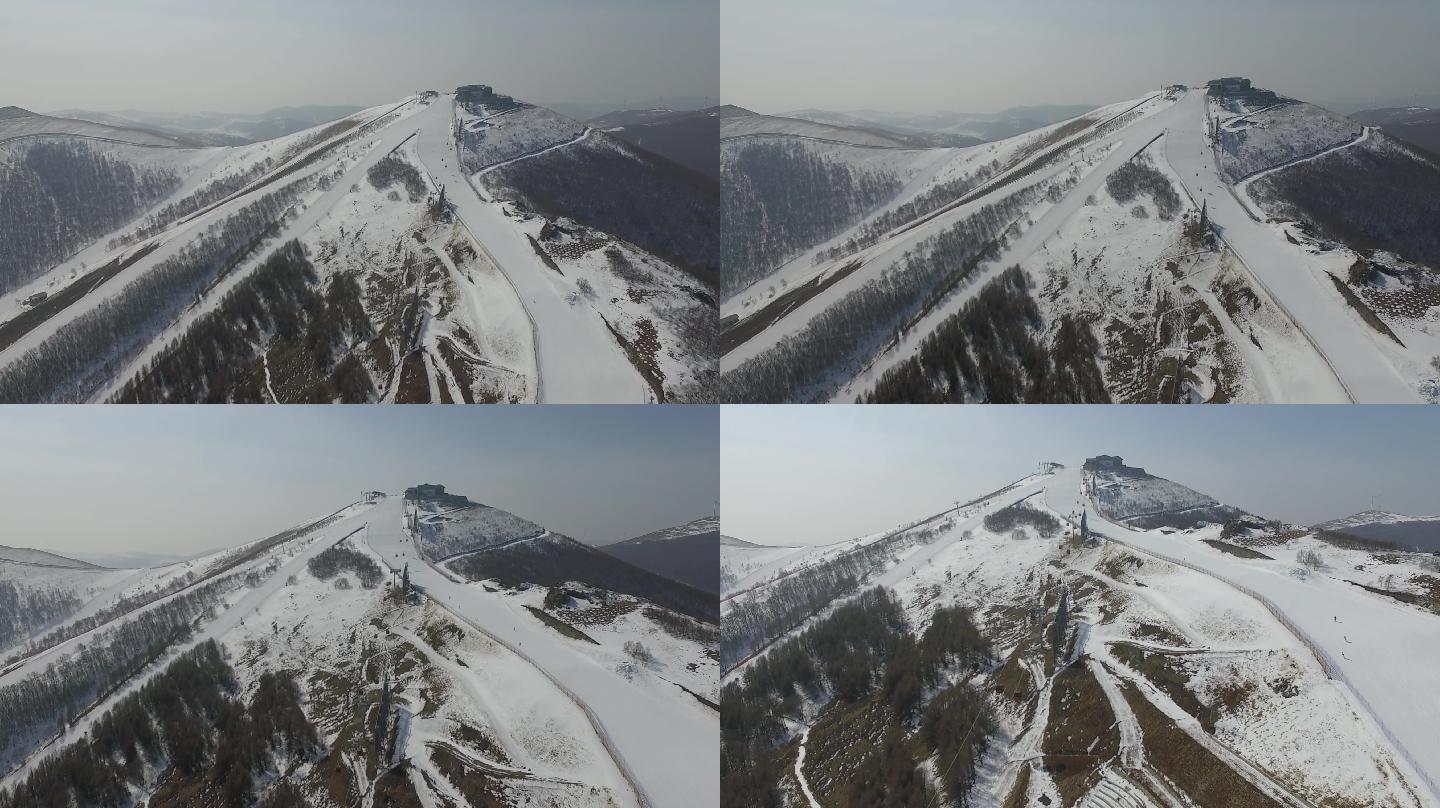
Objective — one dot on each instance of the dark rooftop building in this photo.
(1237, 88)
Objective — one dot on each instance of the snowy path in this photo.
(800, 772)
(1243, 186)
(670, 749)
(572, 141)
(577, 359)
(1388, 668)
(491, 548)
(1132, 740)
(1284, 270)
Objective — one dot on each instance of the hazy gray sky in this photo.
(983, 56)
(232, 56)
(812, 475)
(186, 479)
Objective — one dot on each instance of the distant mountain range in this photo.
(689, 553)
(975, 126)
(1420, 532)
(220, 128)
(1418, 125)
(690, 138)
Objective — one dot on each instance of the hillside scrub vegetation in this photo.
(1383, 197)
(864, 650)
(336, 560)
(1022, 514)
(395, 170)
(1140, 177)
(665, 209)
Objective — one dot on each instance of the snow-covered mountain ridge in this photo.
(416, 251)
(1180, 246)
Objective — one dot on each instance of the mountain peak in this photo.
(15, 112)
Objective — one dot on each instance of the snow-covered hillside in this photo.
(741, 561)
(353, 261)
(444, 530)
(1174, 247)
(1124, 666)
(442, 694)
(1129, 495)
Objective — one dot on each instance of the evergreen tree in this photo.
(382, 723)
(1057, 632)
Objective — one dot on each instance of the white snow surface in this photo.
(542, 339)
(1357, 645)
(695, 527)
(665, 741)
(579, 722)
(446, 531)
(578, 360)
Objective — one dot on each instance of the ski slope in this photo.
(669, 749)
(578, 360)
(1382, 652)
(1282, 268)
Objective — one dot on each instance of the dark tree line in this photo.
(752, 622)
(659, 206)
(1022, 514)
(335, 560)
(833, 342)
(186, 718)
(56, 196)
(215, 359)
(85, 353)
(931, 200)
(1136, 177)
(202, 198)
(863, 650)
(992, 350)
(44, 702)
(554, 561)
(120, 607)
(1369, 197)
(25, 611)
(778, 199)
